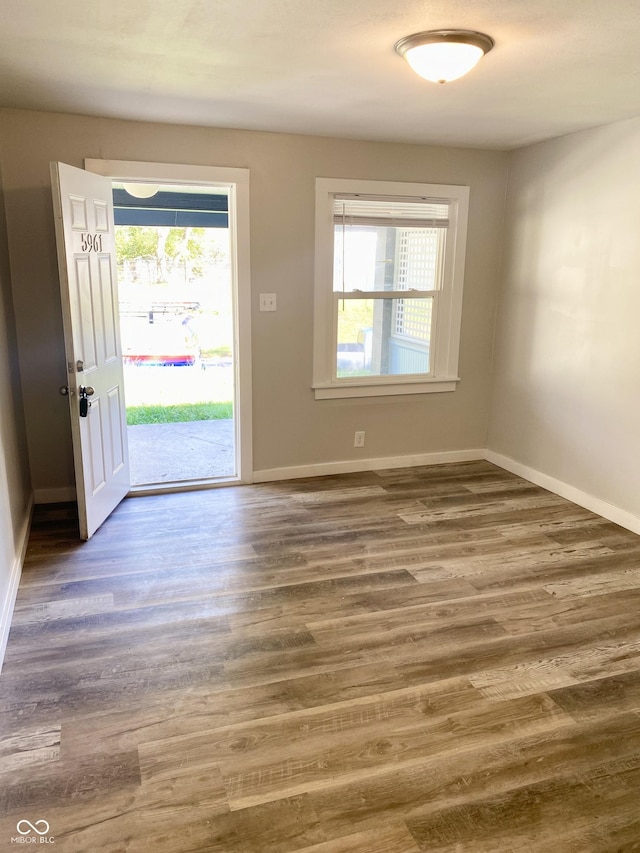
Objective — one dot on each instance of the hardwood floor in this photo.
(429, 659)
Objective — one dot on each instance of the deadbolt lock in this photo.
(85, 392)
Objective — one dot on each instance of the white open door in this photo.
(85, 235)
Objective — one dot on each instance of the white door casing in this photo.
(237, 182)
(85, 236)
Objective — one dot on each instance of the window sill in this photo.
(328, 391)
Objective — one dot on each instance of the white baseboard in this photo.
(577, 496)
(14, 581)
(54, 496)
(352, 466)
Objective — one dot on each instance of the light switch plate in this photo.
(268, 302)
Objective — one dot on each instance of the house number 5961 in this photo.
(91, 242)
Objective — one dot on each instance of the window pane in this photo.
(370, 257)
(383, 337)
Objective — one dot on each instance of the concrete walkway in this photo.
(171, 453)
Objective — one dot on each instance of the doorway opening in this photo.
(178, 329)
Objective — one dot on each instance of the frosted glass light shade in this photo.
(444, 55)
(441, 63)
(141, 190)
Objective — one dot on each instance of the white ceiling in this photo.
(325, 67)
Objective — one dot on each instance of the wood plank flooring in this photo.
(442, 659)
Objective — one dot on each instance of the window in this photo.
(388, 287)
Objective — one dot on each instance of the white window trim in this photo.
(444, 375)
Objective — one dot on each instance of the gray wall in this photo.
(15, 491)
(566, 398)
(291, 428)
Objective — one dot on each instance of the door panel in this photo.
(86, 258)
(109, 310)
(83, 297)
(97, 476)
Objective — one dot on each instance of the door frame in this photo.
(237, 182)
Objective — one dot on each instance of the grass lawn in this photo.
(178, 414)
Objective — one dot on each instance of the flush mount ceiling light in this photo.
(444, 55)
(141, 190)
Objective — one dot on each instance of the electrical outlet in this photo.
(358, 439)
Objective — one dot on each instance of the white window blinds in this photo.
(389, 211)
